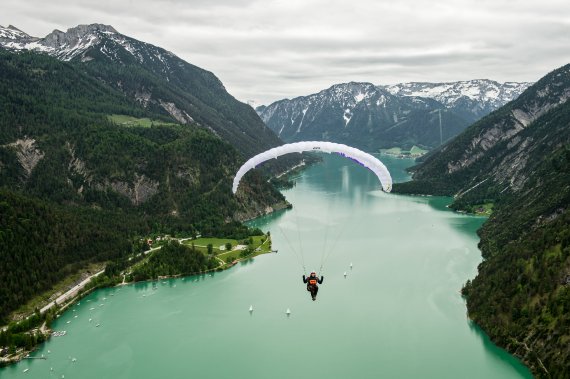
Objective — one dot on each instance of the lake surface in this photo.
(397, 314)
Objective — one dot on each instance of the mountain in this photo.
(11, 34)
(85, 169)
(516, 159)
(157, 79)
(471, 99)
(373, 117)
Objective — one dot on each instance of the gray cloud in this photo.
(268, 50)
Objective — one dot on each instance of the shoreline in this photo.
(225, 266)
(78, 292)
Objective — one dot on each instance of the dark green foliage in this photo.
(22, 334)
(85, 199)
(169, 79)
(42, 243)
(174, 259)
(248, 251)
(519, 296)
(37, 92)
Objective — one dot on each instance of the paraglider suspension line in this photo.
(297, 255)
(299, 236)
(338, 236)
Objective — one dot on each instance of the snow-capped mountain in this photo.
(471, 98)
(375, 117)
(12, 34)
(76, 42)
(300, 114)
(154, 77)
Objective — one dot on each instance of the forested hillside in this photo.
(156, 79)
(517, 159)
(64, 145)
(42, 243)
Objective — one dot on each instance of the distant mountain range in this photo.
(403, 115)
(471, 99)
(517, 161)
(158, 80)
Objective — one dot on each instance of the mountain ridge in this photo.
(373, 116)
(156, 78)
(65, 148)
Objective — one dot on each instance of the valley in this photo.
(108, 143)
(376, 117)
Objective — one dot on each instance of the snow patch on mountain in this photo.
(78, 41)
(359, 97)
(346, 116)
(13, 33)
(403, 113)
(482, 91)
(302, 119)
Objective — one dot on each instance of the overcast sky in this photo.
(272, 49)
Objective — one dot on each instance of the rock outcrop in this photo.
(28, 154)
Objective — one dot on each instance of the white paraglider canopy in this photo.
(367, 160)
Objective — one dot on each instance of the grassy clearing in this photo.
(482, 209)
(202, 243)
(131, 122)
(392, 151)
(260, 245)
(417, 151)
(264, 242)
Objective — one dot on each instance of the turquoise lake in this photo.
(398, 313)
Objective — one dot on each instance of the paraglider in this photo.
(367, 160)
(312, 286)
(364, 159)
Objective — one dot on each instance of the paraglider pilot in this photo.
(312, 286)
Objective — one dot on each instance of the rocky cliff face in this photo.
(138, 192)
(28, 154)
(503, 147)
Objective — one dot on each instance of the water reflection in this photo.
(499, 354)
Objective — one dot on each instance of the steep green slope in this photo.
(521, 296)
(60, 150)
(496, 153)
(157, 79)
(57, 142)
(519, 159)
(42, 243)
(162, 82)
